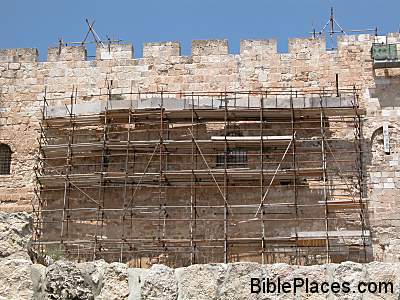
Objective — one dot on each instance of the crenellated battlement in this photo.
(200, 48)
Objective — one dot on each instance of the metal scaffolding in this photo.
(266, 176)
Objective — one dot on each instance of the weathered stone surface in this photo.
(15, 234)
(38, 275)
(115, 282)
(200, 281)
(94, 274)
(63, 280)
(350, 272)
(159, 283)
(15, 279)
(384, 272)
(239, 275)
(136, 276)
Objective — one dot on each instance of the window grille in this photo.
(5, 159)
(235, 158)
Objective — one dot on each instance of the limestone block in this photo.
(94, 274)
(200, 281)
(15, 279)
(317, 273)
(135, 280)
(159, 283)
(236, 283)
(384, 272)
(115, 283)
(14, 66)
(38, 275)
(350, 272)
(15, 234)
(63, 280)
(389, 185)
(209, 47)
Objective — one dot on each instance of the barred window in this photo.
(235, 158)
(5, 159)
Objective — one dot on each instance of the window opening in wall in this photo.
(285, 182)
(5, 159)
(235, 158)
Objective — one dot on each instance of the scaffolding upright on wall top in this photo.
(187, 177)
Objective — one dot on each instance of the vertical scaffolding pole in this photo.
(360, 178)
(38, 223)
(262, 177)
(103, 169)
(294, 163)
(124, 207)
(67, 183)
(161, 183)
(226, 149)
(192, 193)
(324, 178)
(132, 203)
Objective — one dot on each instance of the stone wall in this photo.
(24, 81)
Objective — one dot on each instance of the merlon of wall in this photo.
(18, 55)
(258, 47)
(67, 53)
(114, 51)
(393, 38)
(161, 49)
(210, 47)
(315, 46)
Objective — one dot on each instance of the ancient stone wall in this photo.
(24, 81)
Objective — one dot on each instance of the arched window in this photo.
(5, 159)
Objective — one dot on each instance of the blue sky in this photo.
(39, 23)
